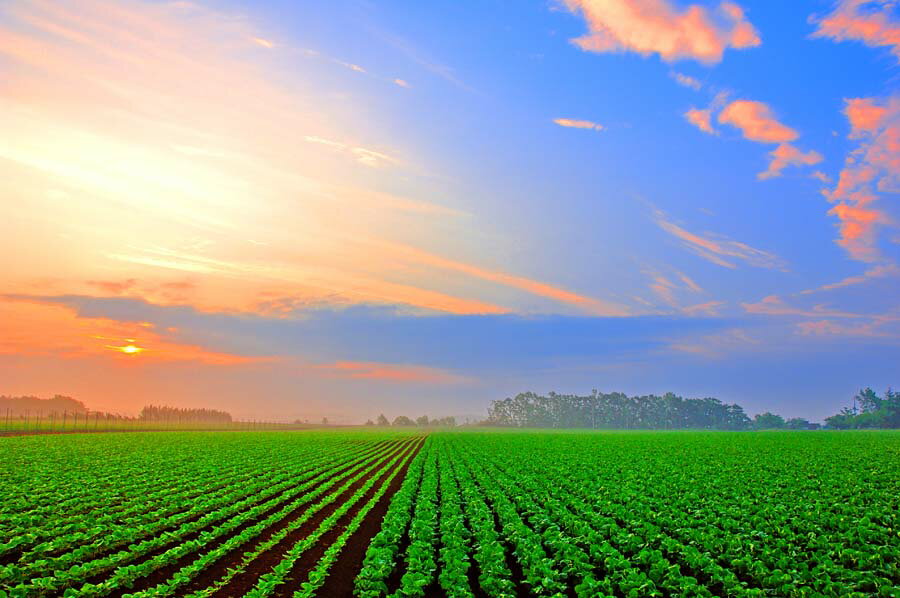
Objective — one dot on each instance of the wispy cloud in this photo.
(657, 27)
(871, 22)
(718, 250)
(578, 124)
(686, 80)
(876, 272)
(390, 372)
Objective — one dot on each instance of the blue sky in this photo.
(355, 207)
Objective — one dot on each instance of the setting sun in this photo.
(128, 349)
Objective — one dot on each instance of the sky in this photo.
(337, 209)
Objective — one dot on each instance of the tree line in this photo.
(619, 411)
(421, 421)
(158, 413)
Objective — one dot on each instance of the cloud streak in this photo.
(720, 251)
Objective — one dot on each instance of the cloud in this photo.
(402, 83)
(866, 21)
(756, 121)
(820, 176)
(116, 287)
(865, 116)
(873, 167)
(587, 304)
(719, 251)
(880, 271)
(709, 308)
(773, 305)
(689, 283)
(787, 155)
(702, 119)
(686, 80)
(390, 372)
(656, 27)
(367, 334)
(578, 124)
(364, 156)
(263, 42)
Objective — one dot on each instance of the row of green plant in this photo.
(645, 514)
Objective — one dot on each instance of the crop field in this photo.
(394, 512)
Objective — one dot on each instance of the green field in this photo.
(377, 512)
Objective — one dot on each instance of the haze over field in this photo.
(342, 208)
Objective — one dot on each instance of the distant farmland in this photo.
(388, 512)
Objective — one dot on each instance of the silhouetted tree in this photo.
(422, 421)
(382, 420)
(369, 422)
(402, 420)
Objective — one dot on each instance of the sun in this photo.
(127, 349)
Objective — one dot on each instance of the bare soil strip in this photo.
(242, 583)
(164, 573)
(342, 574)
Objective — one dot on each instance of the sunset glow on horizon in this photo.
(340, 208)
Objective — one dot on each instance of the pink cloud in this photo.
(657, 27)
(866, 21)
(757, 122)
(873, 167)
(578, 124)
(702, 119)
(787, 155)
(864, 115)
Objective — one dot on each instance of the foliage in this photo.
(643, 514)
(869, 411)
(156, 413)
(615, 410)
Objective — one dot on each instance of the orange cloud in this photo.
(871, 168)
(578, 124)
(866, 21)
(541, 289)
(390, 372)
(865, 115)
(787, 155)
(702, 119)
(717, 250)
(756, 121)
(656, 27)
(35, 328)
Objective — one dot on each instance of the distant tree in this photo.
(768, 421)
(447, 422)
(155, 413)
(369, 422)
(615, 410)
(402, 420)
(797, 423)
(324, 421)
(422, 421)
(869, 411)
(382, 420)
